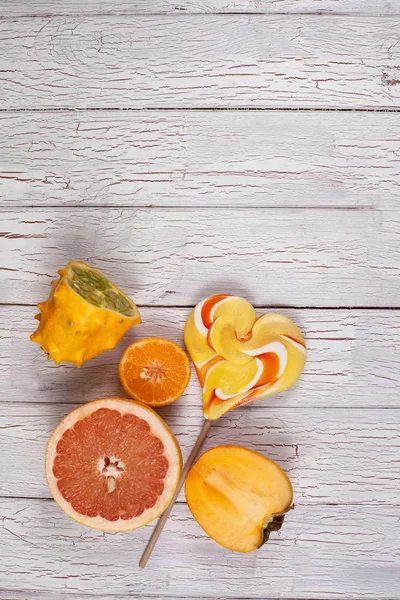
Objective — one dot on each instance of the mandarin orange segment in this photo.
(239, 357)
(155, 371)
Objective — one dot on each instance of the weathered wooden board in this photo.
(331, 455)
(181, 158)
(292, 257)
(353, 361)
(286, 207)
(94, 7)
(321, 552)
(203, 61)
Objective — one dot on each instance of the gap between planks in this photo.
(255, 407)
(181, 12)
(35, 595)
(49, 8)
(8, 206)
(199, 109)
(257, 306)
(354, 504)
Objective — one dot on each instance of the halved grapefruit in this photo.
(113, 464)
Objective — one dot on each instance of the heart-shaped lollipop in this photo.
(239, 357)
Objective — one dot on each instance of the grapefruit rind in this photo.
(157, 427)
(132, 392)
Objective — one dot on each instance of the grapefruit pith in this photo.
(113, 464)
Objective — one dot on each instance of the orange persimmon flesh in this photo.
(238, 496)
(154, 371)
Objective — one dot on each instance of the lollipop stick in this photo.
(159, 527)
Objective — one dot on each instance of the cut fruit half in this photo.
(84, 315)
(155, 371)
(113, 464)
(96, 289)
(238, 496)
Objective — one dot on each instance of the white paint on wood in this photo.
(336, 431)
(353, 360)
(331, 455)
(320, 552)
(203, 158)
(94, 7)
(207, 61)
(177, 257)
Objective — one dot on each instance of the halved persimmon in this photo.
(238, 496)
(154, 371)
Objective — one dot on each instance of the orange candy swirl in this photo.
(239, 357)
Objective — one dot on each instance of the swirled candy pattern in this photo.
(239, 357)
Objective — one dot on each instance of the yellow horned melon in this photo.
(84, 315)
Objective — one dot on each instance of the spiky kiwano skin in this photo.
(84, 315)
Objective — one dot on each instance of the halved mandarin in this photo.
(113, 464)
(155, 371)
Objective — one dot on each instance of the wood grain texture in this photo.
(181, 158)
(94, 7)
(318, 550)
(331, 455)
(207, 61)
(286, 207)
(353, 361)
(46, 595)
(292, 257)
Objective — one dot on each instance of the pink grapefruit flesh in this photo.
(113, 464)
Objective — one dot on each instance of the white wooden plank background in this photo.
(203, 158)
(321, 546)
(296, 209)
(94, 7)
(292, 257)
(197, 61)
